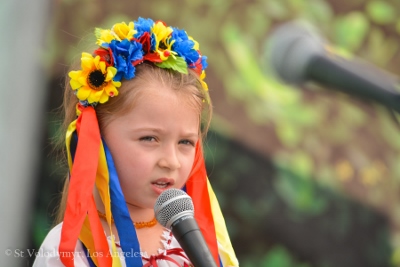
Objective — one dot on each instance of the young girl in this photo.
(136, 113)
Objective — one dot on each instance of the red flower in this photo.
(145, 40)
(197, 66)
(105, 55)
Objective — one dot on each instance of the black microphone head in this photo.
(291, 48)
(171, 205)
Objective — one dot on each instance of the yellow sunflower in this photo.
(95, 81)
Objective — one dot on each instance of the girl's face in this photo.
(153, 145)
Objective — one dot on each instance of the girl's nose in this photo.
(169, 158)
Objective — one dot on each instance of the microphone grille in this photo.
(171, 205)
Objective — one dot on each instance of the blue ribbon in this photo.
(126, 230)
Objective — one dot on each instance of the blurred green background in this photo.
(306, 177)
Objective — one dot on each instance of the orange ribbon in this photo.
(80, 200)
(196, 187)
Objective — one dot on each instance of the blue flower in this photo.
(204, 62)
(143, 25)
(153, 41)
(191, 56)
(184, 46)
(179, 35)
(124, 53)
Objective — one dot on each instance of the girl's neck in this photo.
(139, 214)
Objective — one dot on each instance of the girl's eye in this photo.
(186, 142)
(147, 138)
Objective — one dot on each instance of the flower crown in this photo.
(123, 47)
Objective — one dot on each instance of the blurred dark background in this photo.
(306, 177)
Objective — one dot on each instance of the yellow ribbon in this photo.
(225, 248)
(102, 185)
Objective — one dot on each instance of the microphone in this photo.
(298, 54)
(174, 209)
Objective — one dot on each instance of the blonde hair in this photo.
(146, 74)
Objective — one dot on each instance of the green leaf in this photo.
(302, 163)
(288, 134)
(317, 11)
(175, 63)
(381, 12)
(277, 257)
(299, 192)
(276, 9)
(351, 30)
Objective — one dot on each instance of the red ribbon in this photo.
(80, 200)
(196, 187)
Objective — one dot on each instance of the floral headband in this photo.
(123, 47)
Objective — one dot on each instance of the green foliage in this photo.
(280, 257)
(299, 194)
(175, 63)
(351, 30)
(381, 12)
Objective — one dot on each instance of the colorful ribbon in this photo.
(91, 164)
(126, 230)
(80, 199)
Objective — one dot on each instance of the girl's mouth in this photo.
(162, 184)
